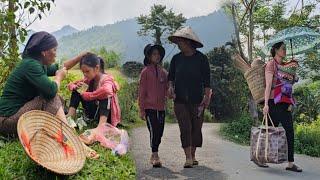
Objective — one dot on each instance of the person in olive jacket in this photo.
(28, 86)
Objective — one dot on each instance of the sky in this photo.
(83, 14)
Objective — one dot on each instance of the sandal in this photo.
(294, 168)
(263, 165)
(156, 163)
(195, 162)
(188, 163)
(90, 153)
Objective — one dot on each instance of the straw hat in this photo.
(187, 33)
(51, 143)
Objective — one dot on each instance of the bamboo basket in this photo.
(51, 143)
(255, 78)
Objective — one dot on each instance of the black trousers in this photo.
(92, 109)
(279, 113)
(155, 122)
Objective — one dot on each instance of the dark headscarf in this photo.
(39, 41)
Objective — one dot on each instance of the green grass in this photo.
(119, 77)
(15, 164)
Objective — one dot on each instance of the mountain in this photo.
(214, 30)
(64, 31)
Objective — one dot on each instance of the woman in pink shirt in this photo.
(152, 97)
(279, 100)
(100, 99)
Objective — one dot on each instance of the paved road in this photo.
(219, 159)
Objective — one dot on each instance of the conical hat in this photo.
(51, 143)
(187, 33)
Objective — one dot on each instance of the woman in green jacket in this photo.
(29, 87)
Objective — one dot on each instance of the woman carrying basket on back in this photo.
(280, 77)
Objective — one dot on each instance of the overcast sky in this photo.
(83, 14)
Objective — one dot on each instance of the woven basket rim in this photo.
(81, 157)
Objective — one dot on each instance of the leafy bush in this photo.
(71, 77)
(208, 117)
(111, 58)
(128, 102)
(238, 130)
(170, 116)
(308, 102)
(307, 139)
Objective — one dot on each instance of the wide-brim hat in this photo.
(186, 33)
(51, 143)
(148, 49)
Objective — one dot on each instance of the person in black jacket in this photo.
(189, 86)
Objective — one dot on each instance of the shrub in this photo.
(208, 117)
(308, 102)
(238, 130)
(71, 77)
(128, 102)
(170, 116)
(307, 139)
(111, 58)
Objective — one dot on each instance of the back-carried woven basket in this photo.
(51, 143)
(255, 77)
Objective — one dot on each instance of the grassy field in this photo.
(15, 164)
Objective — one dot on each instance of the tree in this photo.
(228, 85)
(311, 66)
(247, 30)
(15, 17)
(111, 58)
(159, 22)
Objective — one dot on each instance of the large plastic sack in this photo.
(109, 137)
(268, 144)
